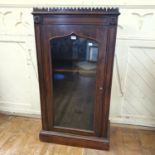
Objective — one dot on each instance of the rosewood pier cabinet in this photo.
(75, 53)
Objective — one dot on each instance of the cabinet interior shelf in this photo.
(75, 71)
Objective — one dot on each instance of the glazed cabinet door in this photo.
(73, 61)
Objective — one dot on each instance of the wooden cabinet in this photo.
(75, 52)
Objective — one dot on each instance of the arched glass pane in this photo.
(74, 80)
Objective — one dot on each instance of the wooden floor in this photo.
(19, 136)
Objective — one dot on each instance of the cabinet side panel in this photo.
(41, 77)
(110, 50)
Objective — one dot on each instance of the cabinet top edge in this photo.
(72, 11)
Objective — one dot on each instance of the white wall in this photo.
(133, 92)
(19, 90)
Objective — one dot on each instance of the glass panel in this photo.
(74, 81)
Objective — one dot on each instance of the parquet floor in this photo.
(19, 136)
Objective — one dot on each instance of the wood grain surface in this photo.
(19, 136)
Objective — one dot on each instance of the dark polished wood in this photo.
(96, 24)
(75, 140)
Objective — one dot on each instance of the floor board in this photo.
(19, 136)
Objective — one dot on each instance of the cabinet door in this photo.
(74, 68)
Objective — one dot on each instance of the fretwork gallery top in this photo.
(75, 53)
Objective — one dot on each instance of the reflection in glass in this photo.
(74, 79)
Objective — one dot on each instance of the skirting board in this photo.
(134, 120)
(27, 112)
(19, 110)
